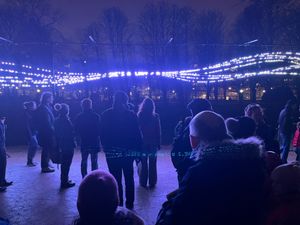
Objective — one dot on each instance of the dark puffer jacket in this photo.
(226, 186)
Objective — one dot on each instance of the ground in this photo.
(36, 199)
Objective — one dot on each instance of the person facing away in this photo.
(264, 131)
(65, 136)
(87, 127)
(151, 132)
(182, 150)
(286, 128)
(3, 156)
(31, 132)
(98, 201)
(296, 141)
(121, 140)
(242, 127)
(285, 199)
(225, 186)
(44, 122)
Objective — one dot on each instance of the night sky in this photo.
(79, 13)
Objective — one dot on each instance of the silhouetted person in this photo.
(245, 128)
(121, 140)
(225, 186)
(31, 132)
(286, 128)
(264, 131)
(151, 132)
(87, 126)
(3, 156)
(98, 201)
(65, 136)
(182, 149)
(44, 122)
(285, 197)
(296, 141)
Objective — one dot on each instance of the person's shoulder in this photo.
(107, 112)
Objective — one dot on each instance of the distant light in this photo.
(241, 91)
(230, 88)
(38, 91)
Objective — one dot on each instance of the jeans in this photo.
(32, 148)
(45, 158)
(285, 143)
(117, 166)
(67, 157)
(84, 163)
(148, 171)
(3, 163)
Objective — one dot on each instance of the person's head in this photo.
(147, 107)
(246, 127)
(2, 118)
(207, 127)
(291, 105)
(97, 198)
(232, 126)
(46, 98)
(86, 104)
(298, 125)
(255, 112)
(286, 180)
(199, 105)
(63, 109)
(272, 160)
(31, 106)
(120, 99)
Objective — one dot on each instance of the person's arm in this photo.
(158, 131)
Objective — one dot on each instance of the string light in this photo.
(282, 64)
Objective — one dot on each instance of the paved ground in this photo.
(35, 198)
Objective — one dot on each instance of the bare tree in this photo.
(208, 36)
(164, 30)
(30, 25)
(116, 31)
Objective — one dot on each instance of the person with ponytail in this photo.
(65, 135)
(150, 127)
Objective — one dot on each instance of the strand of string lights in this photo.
(280, 63)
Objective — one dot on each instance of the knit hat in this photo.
(97, 197)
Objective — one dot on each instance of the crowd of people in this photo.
(232, 171)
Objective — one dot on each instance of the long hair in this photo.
(44, 97)
(147, 108)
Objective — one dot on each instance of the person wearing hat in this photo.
(3, 156)
(226, 184)
(98, 201)
(31, 132)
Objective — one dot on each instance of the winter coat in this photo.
(225, 186)
(87, 127)
(64, 132)
(44, 122)
(151, 130)
(120, 131)
(296, 139)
